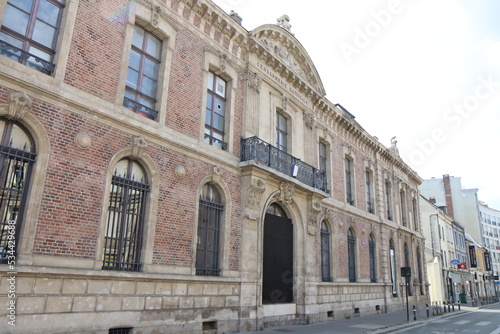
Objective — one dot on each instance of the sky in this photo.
(426, 72)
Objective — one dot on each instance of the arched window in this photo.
(209, 229)
(392, 262)
(325, 253)
(372, 256)
(126, 217)
(351, 254)
(420, 276)
(407, 264)
(17, 157)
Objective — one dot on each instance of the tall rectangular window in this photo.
(322, 157)
(388, 200)
(325, 253)
(415, 214)
(351, 255)
(369, 191)
(29, 32)
(281, 132)
(392, 259)
(372, 258)
(143, 72)
(403, 207)
(215, 116)
(349, 187)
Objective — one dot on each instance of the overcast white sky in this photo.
(427, 72)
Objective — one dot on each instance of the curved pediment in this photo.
(282, 51)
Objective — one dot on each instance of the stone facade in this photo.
(333, 177)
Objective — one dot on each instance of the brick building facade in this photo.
(164, 169)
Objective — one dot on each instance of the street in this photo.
(483, 321)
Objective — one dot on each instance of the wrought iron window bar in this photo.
(23, 57)
(140, 108)
(216, 142)
(254, 148)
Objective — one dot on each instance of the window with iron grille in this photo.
(215, 115)
(17, 157)
(392, 262)
(325, 253)
(29, 32)
(373, 261)
(388, 200)
(281, 132)
(209, 225)
(351, 254)
(126, 215)
(369, 196)
(349, 187)
(143, 72)
(124, 330)
(407, 264)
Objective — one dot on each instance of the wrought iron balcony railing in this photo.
(23, 57)
(256, 149)
(140, 108)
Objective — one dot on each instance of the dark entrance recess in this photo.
(277, 285)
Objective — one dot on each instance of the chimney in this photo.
(447, 194)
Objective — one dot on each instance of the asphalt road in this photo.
(481, 321)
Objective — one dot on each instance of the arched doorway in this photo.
(277, 276)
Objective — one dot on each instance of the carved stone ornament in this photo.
(284, 102)
(83, 140)
(139, 144)
(394, 149)
(284, 22)
(223, 62)
(19, 104)
(254, 194)
(309, 120)
(155, 15)
(285, 193)
(253, 81)
(216, 174)
(180, 172)
(313, 213)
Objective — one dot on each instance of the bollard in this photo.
(427, 309)
(414, 313)
(459, 305)
(444, 307)
(449, 309)
(453, 306)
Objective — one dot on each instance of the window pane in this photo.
(132, 78)
(208, 117)
(15, 20)
(218, 122)
(209, 101)
(22, 4)
(220, 87)
(148, 87)
(210, 81)
(48, 12)
(220, 105)
(135, 60)
(147, 103)
(9, 53)
(153, 46)
(151, 68)
(39, 53)
(44, 34)
(138, 37)
(19, 139)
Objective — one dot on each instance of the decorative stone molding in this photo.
(284, 22)
(313, 213)
(223, 61)
(253, 81)
(139, 145)
(18, 105)
(216, 174)
(254, 194)
(180, 172)
(284, 102)
(83, 140)
(285, 193)
(156, 12)
(309, 119)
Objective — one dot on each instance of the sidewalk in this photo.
(375, 324)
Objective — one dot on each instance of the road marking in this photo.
(483, 323)
(462, 322)
(496, 331)
(441, 321)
